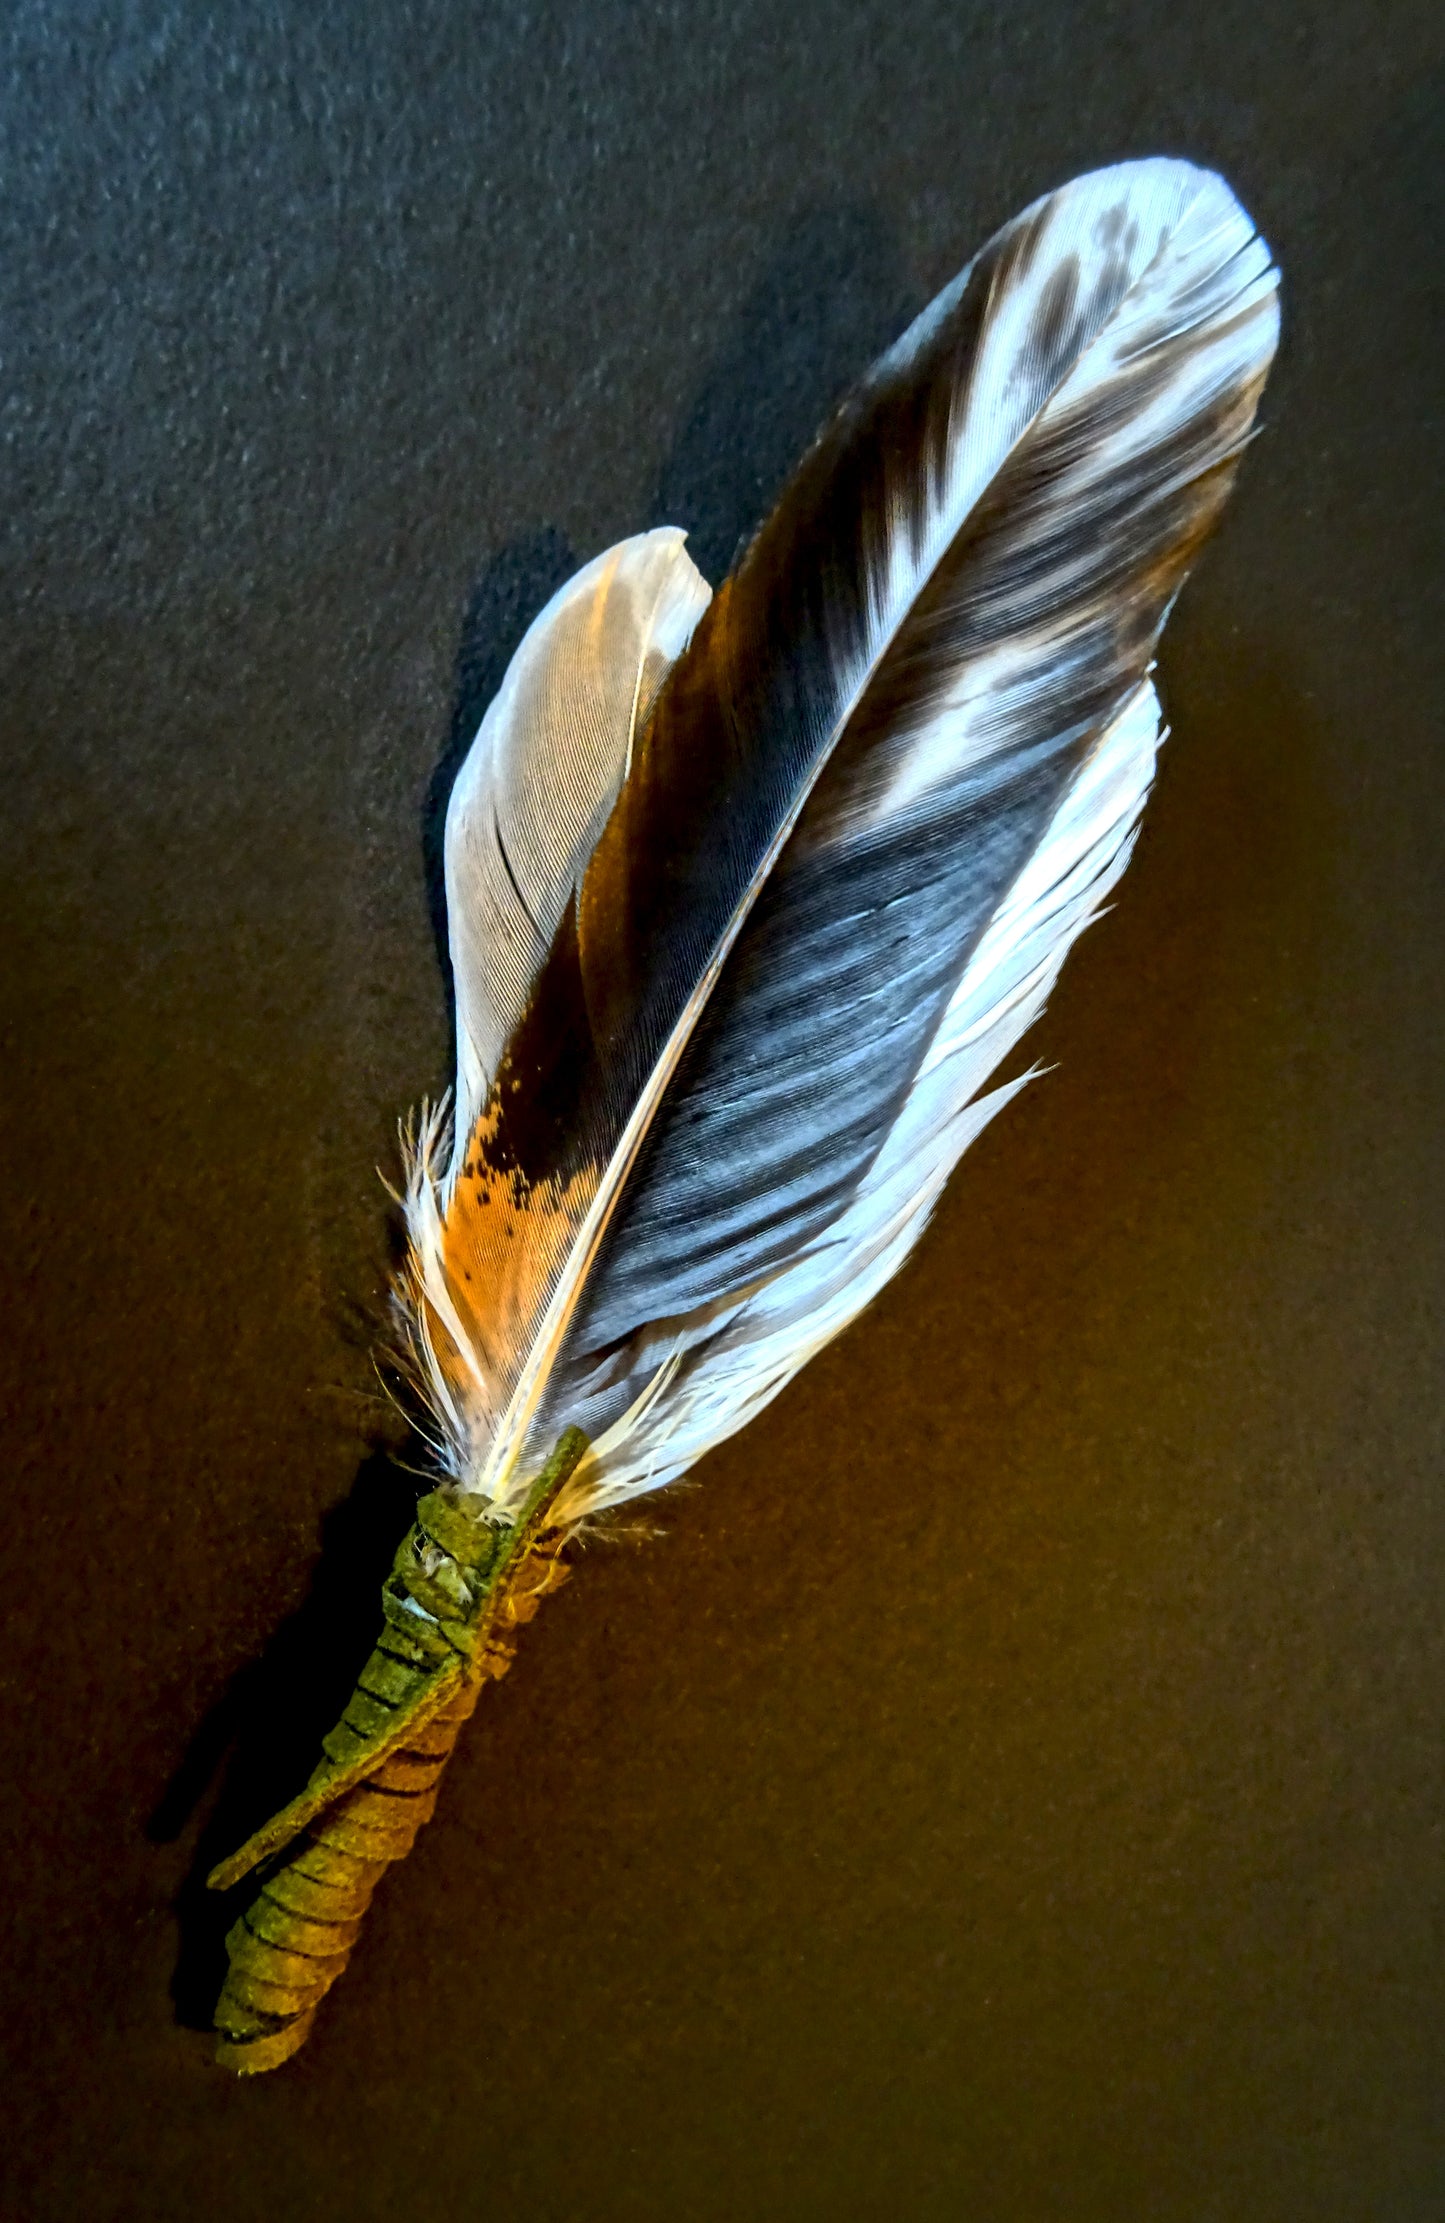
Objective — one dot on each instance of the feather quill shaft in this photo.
(749, 894)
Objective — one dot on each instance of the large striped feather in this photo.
(695, 1124)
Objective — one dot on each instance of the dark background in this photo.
(1012, 1787)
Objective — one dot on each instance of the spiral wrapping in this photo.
(458, 1592)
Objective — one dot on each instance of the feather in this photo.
(522, 819)
(734, 1079)
(748, 898)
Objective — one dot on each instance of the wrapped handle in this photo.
(458, 1591)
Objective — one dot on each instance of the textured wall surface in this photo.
(1036, 1812)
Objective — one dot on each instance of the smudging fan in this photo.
(748, 895)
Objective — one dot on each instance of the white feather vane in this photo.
(737, 947)
(538, 782)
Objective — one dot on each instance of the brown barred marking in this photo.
(377, 1780)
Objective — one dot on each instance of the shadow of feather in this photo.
(832, 297)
